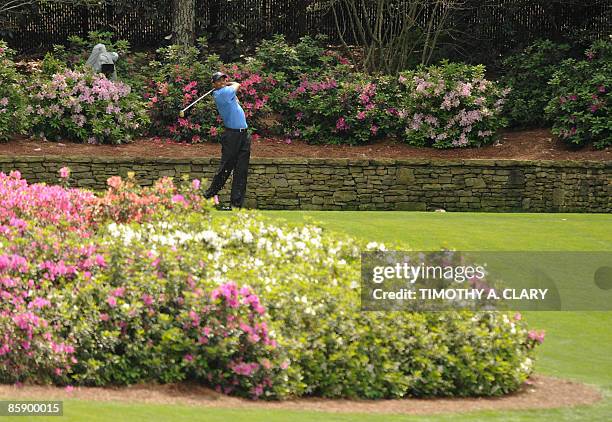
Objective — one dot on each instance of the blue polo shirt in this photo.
(229, 108)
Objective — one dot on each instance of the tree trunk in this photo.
(183, 22)
(214, 10)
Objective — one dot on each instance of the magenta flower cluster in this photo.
(33, 259)
(234, 313)
(47, 204)
(312, 87)
(337, 112)
(202, 122)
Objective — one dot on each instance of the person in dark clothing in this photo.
(235, 141)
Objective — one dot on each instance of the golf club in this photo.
(182, 112)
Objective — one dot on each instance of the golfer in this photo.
(235, 142)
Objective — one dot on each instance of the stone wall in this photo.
(342, 184)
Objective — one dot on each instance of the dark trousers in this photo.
(235, 154)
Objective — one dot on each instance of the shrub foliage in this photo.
(527, 74)
(85, 107)
(11, 95)
(581, 103)
(99, 292)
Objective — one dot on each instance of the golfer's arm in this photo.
(235, 85)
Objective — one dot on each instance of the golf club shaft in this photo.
(193, 103)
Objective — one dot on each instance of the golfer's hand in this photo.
(236, 85)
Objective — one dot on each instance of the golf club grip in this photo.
(193, 103)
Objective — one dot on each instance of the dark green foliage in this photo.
(581, 103)
(527, 73)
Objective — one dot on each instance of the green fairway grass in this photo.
(469, 231)
(578, 345)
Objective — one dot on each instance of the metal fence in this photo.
(496, 25)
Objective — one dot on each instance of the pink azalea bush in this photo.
(581, 107)
(162, 322)
(41, 230)
(450, 106)
(178, 80)
(35, 262)
(49, 205)
(177, 85)
(12, 120)
(446, 106)
(233, 315)
(125, 201)
(265, 81)
(68, 318)
(167, 97)
(327, 110)
(84, 107)
(255, 88)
